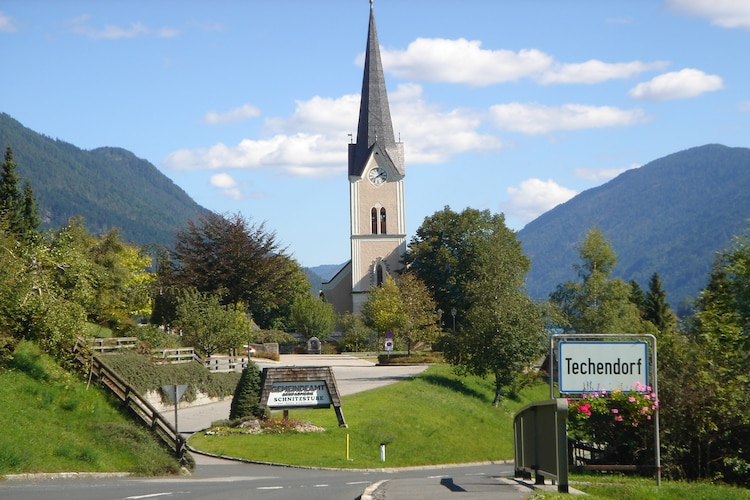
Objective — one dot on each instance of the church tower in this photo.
(376, 192)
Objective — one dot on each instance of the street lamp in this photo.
(453, 313)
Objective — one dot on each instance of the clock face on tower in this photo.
(377, 176)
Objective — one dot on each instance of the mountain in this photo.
(109, 187)
(669, 216)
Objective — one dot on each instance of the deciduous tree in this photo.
(312, 317)
(472, 262)
(598, 303)
(240, 262)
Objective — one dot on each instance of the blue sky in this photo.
(503, 105)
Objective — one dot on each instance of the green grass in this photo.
(51, 422)
(618, 487)
(434, 418)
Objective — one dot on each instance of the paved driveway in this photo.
(352, 375)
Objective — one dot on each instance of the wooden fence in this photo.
(131, 399)
(215, 364)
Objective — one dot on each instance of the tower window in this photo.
(379, 274)
(374, 220)
(382, 221)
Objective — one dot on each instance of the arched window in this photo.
(374, 220)
(382, 221)
(379, 274)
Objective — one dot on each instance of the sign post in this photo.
(175, 392)
(606, 362)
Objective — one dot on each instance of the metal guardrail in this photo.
(131, 399)
(541, 442)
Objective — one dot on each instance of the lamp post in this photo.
(440, 318)
(453, 313)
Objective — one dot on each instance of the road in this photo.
(227, 480)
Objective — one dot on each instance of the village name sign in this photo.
(596, 366)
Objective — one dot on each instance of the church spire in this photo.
(374, 112)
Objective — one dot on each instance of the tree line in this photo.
(229, 282)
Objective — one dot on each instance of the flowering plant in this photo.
(616, 420)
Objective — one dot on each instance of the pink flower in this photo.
(615, 410)
(618, 418)
(631, 399)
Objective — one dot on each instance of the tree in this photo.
(242, 263)
(444, 251)
(208, 325)
(598, 304)
(17, 207)
(312, 317)
(421, 316)
(246, 400)
(384, 311)
(472, 262)
(503, 331)
(655, 306)
(357, 336)
(404, 308)
(705, 375)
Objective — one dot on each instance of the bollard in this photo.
(382, 452)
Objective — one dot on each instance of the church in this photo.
(376, 193)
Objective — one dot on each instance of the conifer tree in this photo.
(246, 400)
(18, 210)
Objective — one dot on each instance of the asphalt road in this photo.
(227, 480)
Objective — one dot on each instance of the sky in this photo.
(508, 106)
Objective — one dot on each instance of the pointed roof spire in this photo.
(374, 112)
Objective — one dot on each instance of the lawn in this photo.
(435, 418)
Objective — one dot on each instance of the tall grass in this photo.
(51, 422)
(435, 418)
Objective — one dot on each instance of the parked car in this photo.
(250, 350)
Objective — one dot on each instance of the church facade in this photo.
(376, 193)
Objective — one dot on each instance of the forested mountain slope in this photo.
(109, 187)
(669, 216)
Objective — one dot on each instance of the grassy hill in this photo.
(54, 422)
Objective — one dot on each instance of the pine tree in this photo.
(246, 400)
(10, 196)
(18, 210)
(655, 307)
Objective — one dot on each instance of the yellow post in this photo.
(347, 446)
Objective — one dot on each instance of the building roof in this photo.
(374, 112)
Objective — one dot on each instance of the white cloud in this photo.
(534, 197)
(227, 185)
(312, 142)
(434, 134)
(723, 13)
(540, 119)
(463, 61)
(466, 62)
(595, 71)
(233, 115)
(599, 175)
(677, 85)
(7, 24)
(80, 26)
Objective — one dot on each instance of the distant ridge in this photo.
(109, 187)
(669, 216)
